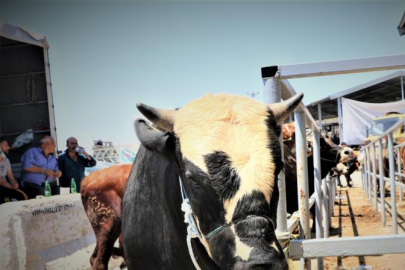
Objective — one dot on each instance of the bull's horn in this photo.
(283, 109)
(163, 118)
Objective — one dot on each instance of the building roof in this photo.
(382, 90)
(14, 35)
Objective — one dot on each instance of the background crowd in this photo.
(39, 166)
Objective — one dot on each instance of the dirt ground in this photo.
(354, 215)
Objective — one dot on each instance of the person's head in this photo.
(4, 147)
(343, 144)
(71, 143)
(48, 144)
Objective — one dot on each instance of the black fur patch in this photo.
(274, 145)
(224, 178)
(252, 204)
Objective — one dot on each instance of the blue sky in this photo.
(107, 55)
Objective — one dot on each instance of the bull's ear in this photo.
(163, 118)
(152, 138)
(283, 109)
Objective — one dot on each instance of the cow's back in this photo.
(112, 178)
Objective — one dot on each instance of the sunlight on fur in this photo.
(237, 126)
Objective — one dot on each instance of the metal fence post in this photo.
(363, 176)
(331, 198)
(368, 174)
(392, 178)
(325, 207)
(399, 172)
(375, 179)
(316, 155)
(365, 171)
(272, 94)
(382, 182)
(302, 175)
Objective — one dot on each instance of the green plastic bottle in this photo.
(47, 189)
(73, 189)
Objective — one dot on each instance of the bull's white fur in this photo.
(242, 250)
(237, 126)
(342, 168)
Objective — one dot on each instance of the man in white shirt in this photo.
(9, 190)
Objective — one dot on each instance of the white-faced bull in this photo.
(225, 149)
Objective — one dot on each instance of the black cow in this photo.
(224, 149)
(347, 169)
(330, 156)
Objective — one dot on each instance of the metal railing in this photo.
(385, 144)
(324, 189)
(277, 87)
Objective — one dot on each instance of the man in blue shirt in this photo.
(39, 164)
(73, 162)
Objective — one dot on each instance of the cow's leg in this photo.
(106, 236)
(89, 208)
(108, 228)
(94, 255)
(119, 251)
(348, 180)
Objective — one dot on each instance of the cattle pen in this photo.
(276, 87)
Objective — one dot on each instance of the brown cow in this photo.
(288, 130)
(102, 192)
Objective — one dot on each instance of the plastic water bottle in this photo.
(73, 189)
(47, 189)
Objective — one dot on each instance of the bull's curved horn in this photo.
(163, 118)
(283, 109)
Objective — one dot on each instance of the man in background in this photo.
(9, 190)
(38, 165)
(73, 162)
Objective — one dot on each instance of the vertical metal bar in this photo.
(402, 88)
(302, 175)
(399, 172)
(333, 183)
(392, 178)
(375, 179)
(325, 207)
(368, 174)
(320, 118)
(382, 182)
(318, 191)
(331, 198)
(340, 118)
(365, 171)
(362, 172)
(272, 94)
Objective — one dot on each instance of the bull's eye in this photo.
(191, 179)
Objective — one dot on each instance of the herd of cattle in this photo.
(223, 151)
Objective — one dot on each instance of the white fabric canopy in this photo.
(357, 117)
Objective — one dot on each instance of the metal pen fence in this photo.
(276, 86)
(324, 189)
(387, 151)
